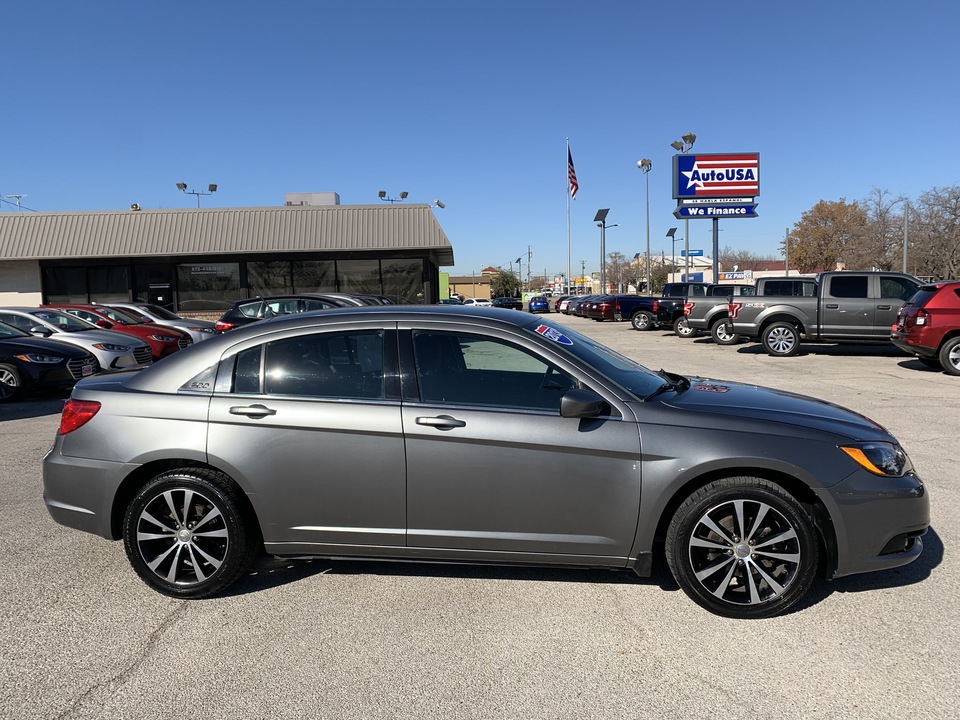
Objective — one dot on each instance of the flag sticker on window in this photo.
(553, 334)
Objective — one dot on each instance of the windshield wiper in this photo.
(676, 383)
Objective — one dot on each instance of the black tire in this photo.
(781, 339)
(681, 329)
(950, 356)
(162, 541)
(760, 563)
(642, 321)
(11, 385)
(721, 332)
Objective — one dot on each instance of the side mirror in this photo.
(106, 324)
(41, 331)
(581, 404)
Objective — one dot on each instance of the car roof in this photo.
(179, 368)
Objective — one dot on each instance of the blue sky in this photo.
(110, 103)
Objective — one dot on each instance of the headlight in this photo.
(203, 329)
(40, 358)
(880, 458)
(163, 338)
(110, 347)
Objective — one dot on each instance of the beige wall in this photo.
(20, 283)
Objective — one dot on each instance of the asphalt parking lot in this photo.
(82, 637)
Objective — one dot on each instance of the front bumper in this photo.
(877, 521)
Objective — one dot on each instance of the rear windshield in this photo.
(922, 296)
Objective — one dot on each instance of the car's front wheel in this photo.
(10, 383)
(187, 533)
(950, 356)
(742, 547)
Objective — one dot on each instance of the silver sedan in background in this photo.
(197, 329)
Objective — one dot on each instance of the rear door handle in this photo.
(254, 411)
(441, 422)
(832, 306)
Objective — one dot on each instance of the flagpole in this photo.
(567, 174)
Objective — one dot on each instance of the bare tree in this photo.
(825, 234)
(743, 259)
(880, 245)
(934, 249)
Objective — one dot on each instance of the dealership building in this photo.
(198, 261)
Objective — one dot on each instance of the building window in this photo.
(269, 278)
(65, 284)
(207, 287)
(314, 276)
(109, 283)
(359, 277)
(403, 281)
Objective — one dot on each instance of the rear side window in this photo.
(346, 365)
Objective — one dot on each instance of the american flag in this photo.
(572, 175)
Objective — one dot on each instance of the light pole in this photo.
(645, 165)
(683, 146)
(672, 234)
(211, 189)
(601, 221)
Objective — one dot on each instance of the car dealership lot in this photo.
(83, 637)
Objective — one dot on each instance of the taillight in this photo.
(687, 307)
(656, 305)
(921, 317)
(76, 414)
(733, 309)
(222, 326)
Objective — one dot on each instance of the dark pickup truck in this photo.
(710, 314)
(848, 306)
(642, 311)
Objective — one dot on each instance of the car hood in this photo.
(101, 336)
(773, 406)
(21, 345)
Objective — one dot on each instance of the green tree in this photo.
(825, 234)
(505, 283)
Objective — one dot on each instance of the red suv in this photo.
(928, 326)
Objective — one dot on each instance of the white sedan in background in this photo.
(478, 302)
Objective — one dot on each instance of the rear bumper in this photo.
(901, 340)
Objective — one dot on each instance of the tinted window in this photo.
(849, 286)
(324, 365)
(897, 287)
(476, 370)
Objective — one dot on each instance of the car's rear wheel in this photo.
(781, 339)
(10, 383)
(722, 333)
(187, 533)
(742, 547)
(682, 329)
(950, 356)
(642, 321)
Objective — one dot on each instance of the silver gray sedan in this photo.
(475, 435)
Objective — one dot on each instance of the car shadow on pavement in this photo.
(270, 572)
(38, 406)
(839, 350)
(915, 364)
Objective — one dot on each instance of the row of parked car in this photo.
(52, 346)
(536, 304)
(922, 319)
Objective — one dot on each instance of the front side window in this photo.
(340, 365)
(897, 288)
(461, 369)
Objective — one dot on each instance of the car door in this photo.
(846, 308)
(893, 291)
(492, 468)
(310, 422)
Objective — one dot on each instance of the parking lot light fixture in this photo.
(683, 146)
(211, 188)
(645, 166)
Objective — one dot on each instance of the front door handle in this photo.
(832, 306)
(441, 422)
(254, 411)
(883, 307)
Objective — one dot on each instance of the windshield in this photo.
(8, 331)
(628, 374)
(124, 317)
(160, 312)
(64, 321)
